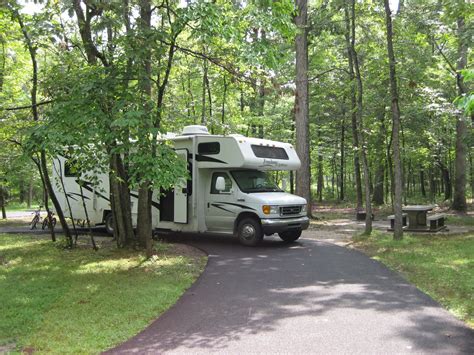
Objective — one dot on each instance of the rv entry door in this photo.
(181, 193)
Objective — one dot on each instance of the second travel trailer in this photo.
(229, 190)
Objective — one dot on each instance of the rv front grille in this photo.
(290, 210)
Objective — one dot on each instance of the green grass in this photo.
(459, 220)
(441, 266)
(17, 206)
(55, 300)
(16, 222)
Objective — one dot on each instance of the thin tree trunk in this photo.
(422, 182)
(61, 180)
(30, 193)
(360, 122)
(355, 130)
(303, 174)
(459, 199)
(223, 101)
(378, 195)
(203, 97)
(398, 228)
(342, 152)
(471, 164)
(94, 246)
(46, 203)
(120, 230)
(2, 202)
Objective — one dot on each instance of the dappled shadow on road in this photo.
(250, 299)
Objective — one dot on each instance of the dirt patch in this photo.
(7, 348)
(186, 250)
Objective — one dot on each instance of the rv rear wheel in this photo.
(249, 232)
(109, 223)
(290, 236)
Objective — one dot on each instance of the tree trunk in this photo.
(422, 183)
(120, 202)
(303, 174)
(223, 104)
(203, 97)
(398, 228)
(46, 203)
(471, 164)
(459, 199)
(355, 130)
(378, 196)
(360, 123)
(342, 151)
(446, 181)
(30, 193)
(94, 246)
(2, 202)
(144, 222)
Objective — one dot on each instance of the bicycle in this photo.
(49, 220)
(36, 218)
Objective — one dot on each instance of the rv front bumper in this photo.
(275, 225)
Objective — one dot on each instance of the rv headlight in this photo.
(304, 209)
(270, 209)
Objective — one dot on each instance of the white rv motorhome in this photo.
(228, 191)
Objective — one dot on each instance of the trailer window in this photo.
(262, 151)
(209, 148)
(228, 183)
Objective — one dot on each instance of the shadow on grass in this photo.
(49, 294)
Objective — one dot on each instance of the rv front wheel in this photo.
(109, 223)
(249, 232)
(290, 236)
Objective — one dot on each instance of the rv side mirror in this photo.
(220, 183)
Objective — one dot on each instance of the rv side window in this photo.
(228, 183)
(209, 148)
(70, 169)
(262, 151)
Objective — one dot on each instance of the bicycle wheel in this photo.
(45, 223)
(34, 221)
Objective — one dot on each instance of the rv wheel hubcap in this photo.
(248, 231)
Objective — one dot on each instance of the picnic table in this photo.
(417, 216)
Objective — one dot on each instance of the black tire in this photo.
(109, 223)
(249, 232)
(45, 223)
(290, 236)
(54, 222)
(34, 222)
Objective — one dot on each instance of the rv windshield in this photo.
(254, 181)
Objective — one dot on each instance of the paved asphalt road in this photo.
(310, 297)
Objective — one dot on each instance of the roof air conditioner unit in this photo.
(195, 130)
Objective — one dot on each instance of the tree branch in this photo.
(317, 76)
(217, 62)
(453, 69)
(26, 107)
